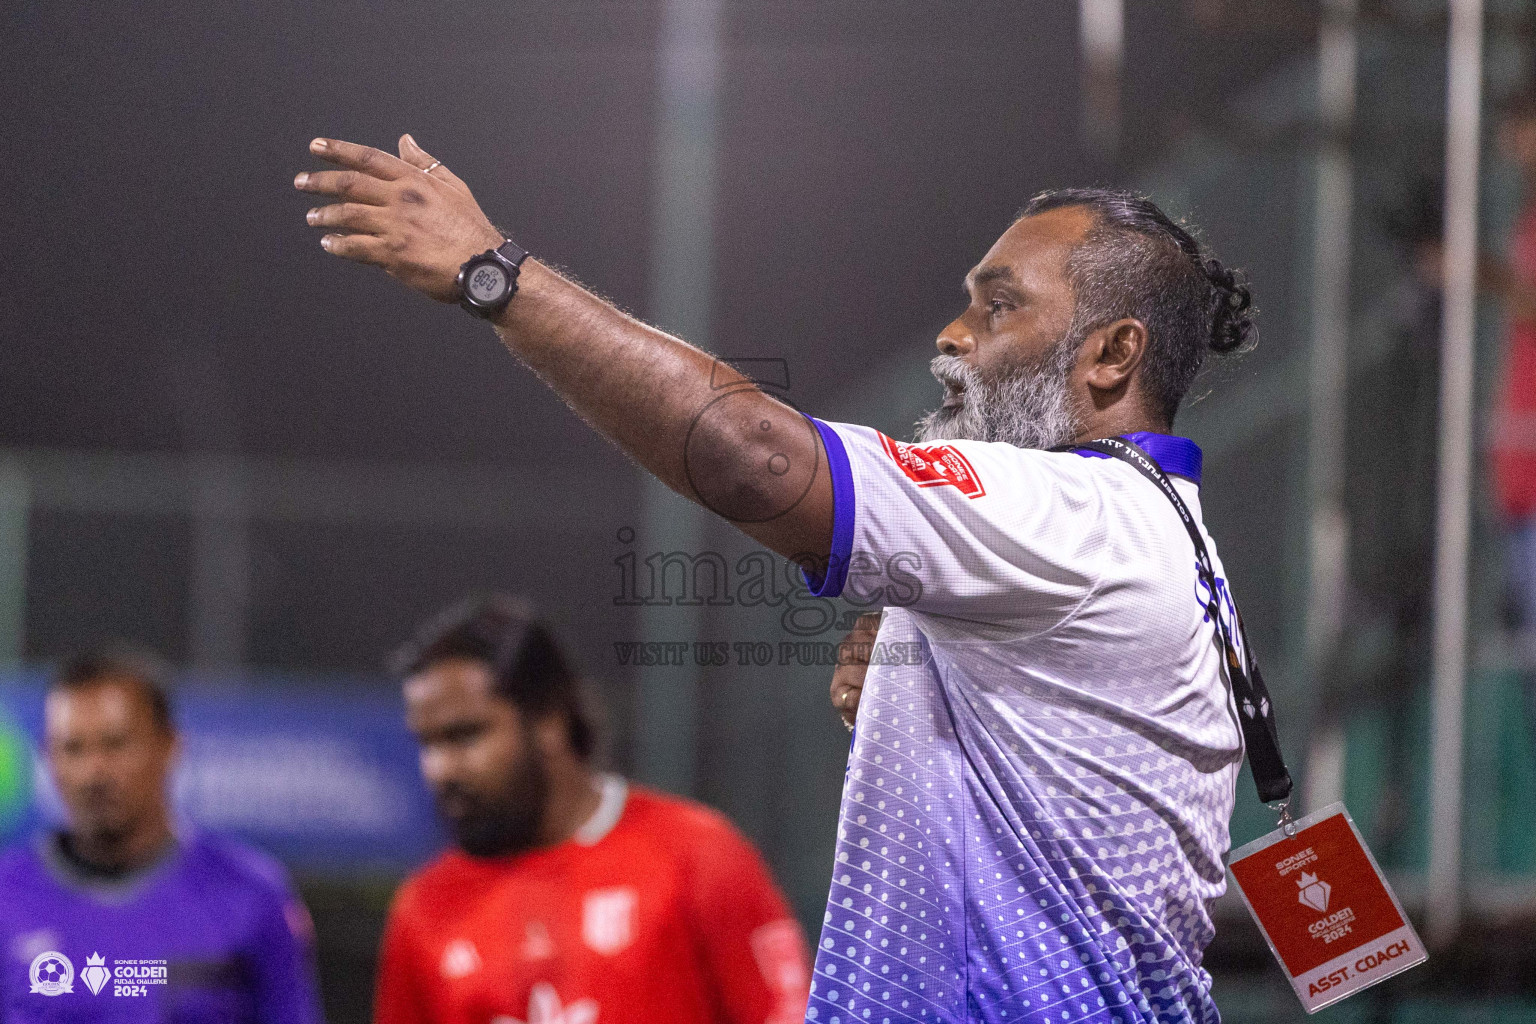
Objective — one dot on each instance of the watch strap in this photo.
(512, 253)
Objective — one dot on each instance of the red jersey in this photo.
(660, 914)
(1514, 427)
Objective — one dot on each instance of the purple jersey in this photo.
(212, 932)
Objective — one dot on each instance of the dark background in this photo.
(164, 296)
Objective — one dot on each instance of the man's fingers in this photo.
(845, 694)
(412, 153)
(853, 657)
(354, 186)
(355, 217)
(845, 697)
(855, 648)
(358, 248)
(370, 161)
(847, 681)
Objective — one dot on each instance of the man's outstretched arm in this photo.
(690, 419)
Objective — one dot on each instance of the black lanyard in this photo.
(1255, 714)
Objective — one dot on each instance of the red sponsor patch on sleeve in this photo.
(934, 465)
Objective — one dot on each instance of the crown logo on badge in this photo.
(1314, 892)
(95, 974)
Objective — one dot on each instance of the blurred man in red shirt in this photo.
(572, 897)
(1514, 424)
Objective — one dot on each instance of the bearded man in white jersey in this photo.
(1036, 808)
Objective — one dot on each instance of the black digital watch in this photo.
(488, 281)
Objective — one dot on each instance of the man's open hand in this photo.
(408, 214)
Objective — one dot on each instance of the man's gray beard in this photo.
(1028, 407)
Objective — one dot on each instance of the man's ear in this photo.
(1112, 354)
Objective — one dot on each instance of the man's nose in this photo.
(97, 768)
(956, 340)
(437, 766)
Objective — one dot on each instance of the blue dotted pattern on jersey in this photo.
(945, 907)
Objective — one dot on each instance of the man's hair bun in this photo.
(1231, 304)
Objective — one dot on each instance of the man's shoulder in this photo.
(236, 864)
(994, 450)
(977, 468)
(19, 854)
(655, 808)
(685, 826)
(19, 865)
(25, 879)
(699, 849)
(441, 877)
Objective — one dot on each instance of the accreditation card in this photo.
(1324, 908)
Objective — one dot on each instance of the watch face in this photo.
(486, 284)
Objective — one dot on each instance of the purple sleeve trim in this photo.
(831, 584)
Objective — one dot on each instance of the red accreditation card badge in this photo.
(1324, 908)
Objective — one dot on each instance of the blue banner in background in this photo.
(322, 776)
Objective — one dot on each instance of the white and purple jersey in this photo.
(1036, 808)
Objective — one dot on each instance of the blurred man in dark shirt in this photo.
(125, 914)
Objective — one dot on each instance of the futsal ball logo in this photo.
(52, 974)
(95, 974)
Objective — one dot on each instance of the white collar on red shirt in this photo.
(613, 792)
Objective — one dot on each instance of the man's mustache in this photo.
(455, 802)
(98, 792)
(953, 372)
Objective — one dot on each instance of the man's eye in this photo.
(997, 307)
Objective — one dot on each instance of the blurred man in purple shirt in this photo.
(126, 915)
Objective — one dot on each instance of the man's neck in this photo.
(120, 853)
(1116, 422)
(574, 796)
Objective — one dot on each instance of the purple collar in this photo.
(1176, 456)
